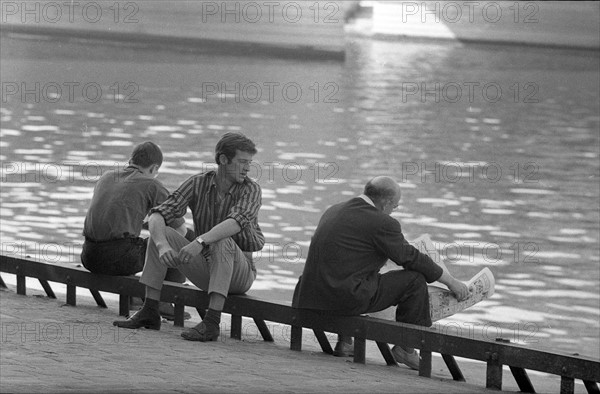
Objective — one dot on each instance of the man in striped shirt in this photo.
(224, 205)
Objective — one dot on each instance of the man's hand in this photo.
(459, 289)
(167, 256)
(189, 251)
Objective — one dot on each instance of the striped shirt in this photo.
(241, 203)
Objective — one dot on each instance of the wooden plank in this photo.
(591, 387)
(360, 350)
(453, 368)
(384, 348)
(296, 338)
(47, 288)
(522, 379)
(71, 295)
(98, 298)
(567, 385)
(264, 330)
(236, 326)
(2, 284)
(493, 376)
(323, 341)
(425, 363)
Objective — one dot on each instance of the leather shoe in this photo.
(201, 332)
(145, 317)
(412, 360)
(343, 349)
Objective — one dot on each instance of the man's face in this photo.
(237, 170)
(391, 204)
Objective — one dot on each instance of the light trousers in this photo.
(226, 270)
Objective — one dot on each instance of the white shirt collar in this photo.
(367, 200)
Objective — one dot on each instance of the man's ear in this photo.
(223, 159)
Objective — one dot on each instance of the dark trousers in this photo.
(120, 257)
(407, 290)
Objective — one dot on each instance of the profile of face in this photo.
(391, 204)
(237, 169)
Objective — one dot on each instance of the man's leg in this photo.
(153, 276)
(226, 271)
(407, 290)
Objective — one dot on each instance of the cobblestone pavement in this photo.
(50, 347)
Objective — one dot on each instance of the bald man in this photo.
(353, 240)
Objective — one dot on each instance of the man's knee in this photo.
(226, 245)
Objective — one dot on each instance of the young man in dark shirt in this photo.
(114, 221)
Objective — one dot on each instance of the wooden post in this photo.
(425, 364)
(494, 372)
(21, 288)
(567, 385)
(360, 350)
(179, 311)
(123, 305)
(296, 339)
(71, 295)
(236, 326)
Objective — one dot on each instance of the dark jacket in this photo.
(351, 243)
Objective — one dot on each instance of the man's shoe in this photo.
(409, 359)
(201, 332)
(343, 349)
(145, 317)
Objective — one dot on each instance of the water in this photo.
(505, 181)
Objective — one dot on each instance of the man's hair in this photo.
(230, 143)
(146, 154)
(378, 191)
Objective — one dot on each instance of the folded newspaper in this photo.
(442, 302)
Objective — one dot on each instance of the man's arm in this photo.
(157, 228)
(225, 229)
(460, 290)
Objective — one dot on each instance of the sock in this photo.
(151, 304)
(212, 318)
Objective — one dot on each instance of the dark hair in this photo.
(379, 192)
(230, 143)
(146, 154)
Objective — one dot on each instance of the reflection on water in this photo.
(508, 184)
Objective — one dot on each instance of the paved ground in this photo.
(50, 347)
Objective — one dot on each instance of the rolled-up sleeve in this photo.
(175, 206)
(245, 211)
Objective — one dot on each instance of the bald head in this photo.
(382, 188)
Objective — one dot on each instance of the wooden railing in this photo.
(496, 354)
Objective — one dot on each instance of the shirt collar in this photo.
(367, 200)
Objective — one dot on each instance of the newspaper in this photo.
(442, 302)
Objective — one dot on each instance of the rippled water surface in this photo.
(508, 181)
